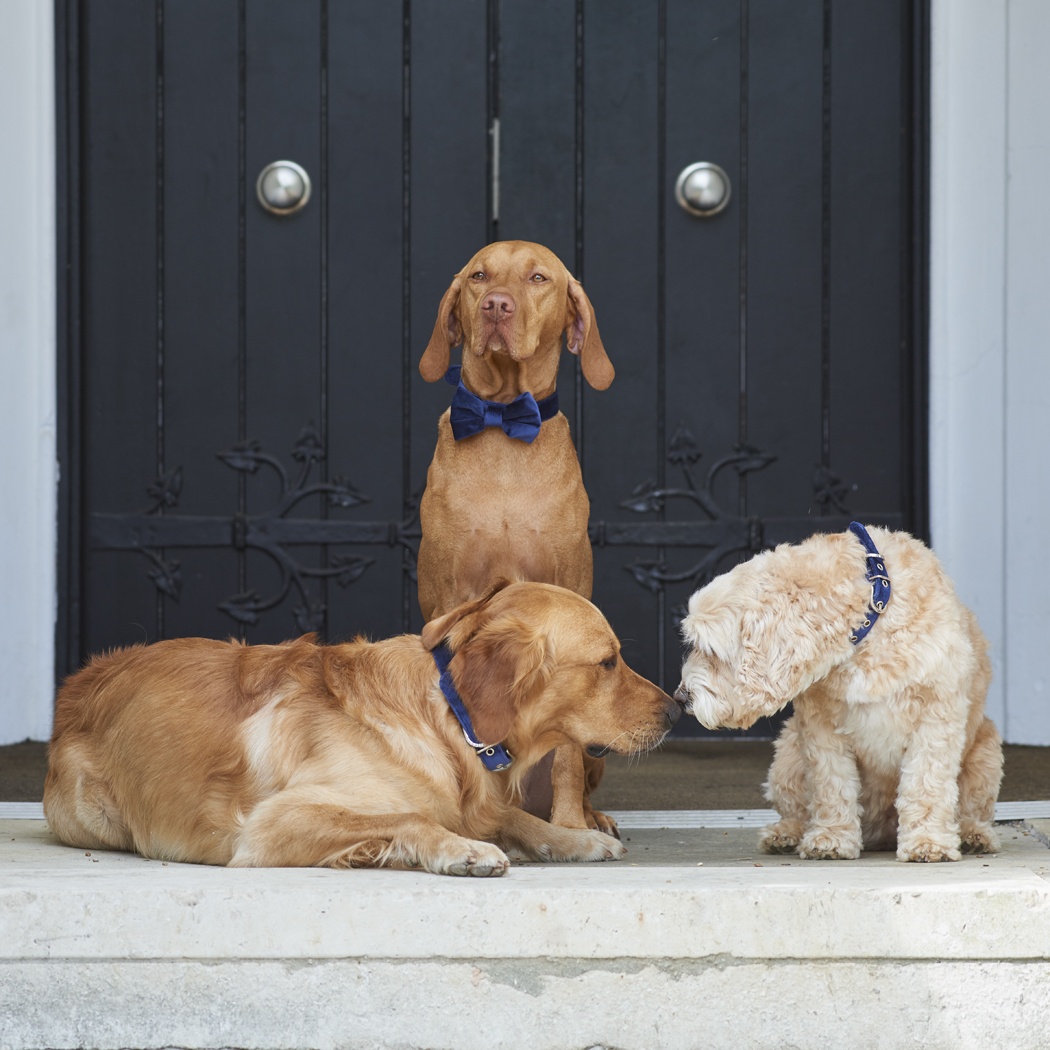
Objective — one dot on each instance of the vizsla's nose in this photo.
(497, 305)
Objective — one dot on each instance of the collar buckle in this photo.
(877, 578)
(494, 757)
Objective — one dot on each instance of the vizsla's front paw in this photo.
(581, 845)
(598, 821)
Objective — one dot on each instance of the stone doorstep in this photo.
(679, 893)
(694, 939)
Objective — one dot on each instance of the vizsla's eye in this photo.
(538, 278)
(479, 276)
(610, 663)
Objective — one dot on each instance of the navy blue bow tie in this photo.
(520, 419)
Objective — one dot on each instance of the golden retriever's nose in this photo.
(674, 710)
(498, 305)
(681, 694)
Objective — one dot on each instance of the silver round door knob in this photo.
(283, 187)
(702, 189)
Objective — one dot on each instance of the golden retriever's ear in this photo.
(496, 670)
(459, 623)
(581, 337)
(447, 334)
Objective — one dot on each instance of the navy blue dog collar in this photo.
(880, 583)
(520, 419)
(495, 757)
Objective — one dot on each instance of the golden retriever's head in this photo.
(510, 304)
(758, 636)
(538, 665)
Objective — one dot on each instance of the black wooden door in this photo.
(246, 435)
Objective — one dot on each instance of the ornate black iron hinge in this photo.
(274, 532)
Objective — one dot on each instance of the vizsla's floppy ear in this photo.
(581, 337)
(447, 334)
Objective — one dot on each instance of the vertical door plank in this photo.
(621, 171)
(449, 144)
(869, 173)
(366, 308)
(784, 252)
(537, 140)
(537, 114)
(703, 282)
(200, 292)
(119, 272)
(283, 274)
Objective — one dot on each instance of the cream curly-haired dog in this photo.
(888, 672)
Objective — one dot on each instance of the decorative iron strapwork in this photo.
(274, 532)
(252, 532)
(719, 534)
(716, 532)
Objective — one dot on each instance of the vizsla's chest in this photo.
(491, 469)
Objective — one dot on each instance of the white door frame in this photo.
(989, 346)
(28, 463)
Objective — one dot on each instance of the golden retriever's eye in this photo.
(538, 278)
(480, 275)
(610, 663)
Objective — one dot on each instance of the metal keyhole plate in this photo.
(283, 187)
(702, 189)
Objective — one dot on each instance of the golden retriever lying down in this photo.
(347, 755)
(888, 744)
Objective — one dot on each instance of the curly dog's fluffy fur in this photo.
(888, 743)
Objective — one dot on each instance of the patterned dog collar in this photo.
(880, 583)
(494, 757)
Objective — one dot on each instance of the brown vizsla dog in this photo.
(504, 494)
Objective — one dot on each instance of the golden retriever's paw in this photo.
(822, 844)
(928, 850)
(980, 838)
(480, 859)
(782, 837)
(598, 821)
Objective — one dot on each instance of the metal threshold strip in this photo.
(759, 818)
(648, 818)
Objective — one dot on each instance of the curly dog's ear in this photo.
(447, 334)
(498, 661)
(783, 650)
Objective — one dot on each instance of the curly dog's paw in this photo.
(782, 837)
(981, 838)
(928, 851)
(824, 844)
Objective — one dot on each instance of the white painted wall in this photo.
(990, 346)
(990, 335)
(28, 469)
(1027, 371)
